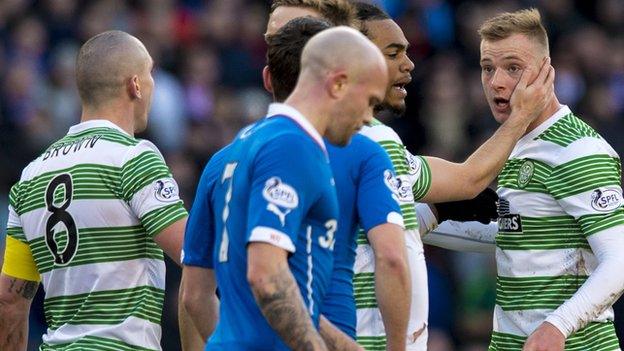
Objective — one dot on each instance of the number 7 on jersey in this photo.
(228, 174)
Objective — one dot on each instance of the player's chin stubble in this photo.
(388, 108)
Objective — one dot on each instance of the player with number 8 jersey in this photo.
(88, 218)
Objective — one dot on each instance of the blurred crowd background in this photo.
(209, 56)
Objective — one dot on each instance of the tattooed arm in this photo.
(336, 339)
(15, 298)
(278, 297)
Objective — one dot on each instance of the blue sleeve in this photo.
(376, 199)
(282, 190)
(199, 236)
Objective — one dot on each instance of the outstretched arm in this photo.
(458, 181)
(464, 236)
(455, 235)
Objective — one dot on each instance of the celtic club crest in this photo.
(526, 173)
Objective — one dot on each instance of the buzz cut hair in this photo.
(336, 12)
(527, 22)
(104, 62)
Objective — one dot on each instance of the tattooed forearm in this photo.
(281, 304)
(12, 335)
(25, 288)
(15, 299)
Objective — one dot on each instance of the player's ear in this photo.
(133, 88)
(266, 78)
(336, 84)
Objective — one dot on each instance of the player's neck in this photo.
(551, 108)
(123, 119)
(313, 111)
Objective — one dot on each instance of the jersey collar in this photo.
(279, 109)
(95, 123)
(563, 111)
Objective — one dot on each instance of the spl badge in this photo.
(525, 173)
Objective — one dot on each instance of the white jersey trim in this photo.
(528, 138)
(395, 218)
(381, 132)
(272, 236)
(300, 119)
(95, 123)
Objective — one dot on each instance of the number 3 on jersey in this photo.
(228, 174)
(60, 215)
(328, 241)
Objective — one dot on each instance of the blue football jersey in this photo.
(364, 183)
(275, 186)
(199, 236)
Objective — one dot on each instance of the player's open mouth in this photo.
(400, 88)
(400, 84)
(501, 104)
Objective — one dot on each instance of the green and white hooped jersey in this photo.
(89, 208)
(560, 185)
(413, 181)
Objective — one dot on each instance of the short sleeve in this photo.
(148, 186)
(284, 176)
(18, 259)
(587, 186)
(421, 171)
(377, 193)
(14, 223)
(199, 236)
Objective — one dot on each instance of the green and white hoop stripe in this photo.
(415, 178)
(117, 271)
(550, 181)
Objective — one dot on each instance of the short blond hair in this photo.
(527, 22)
(336, 12)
